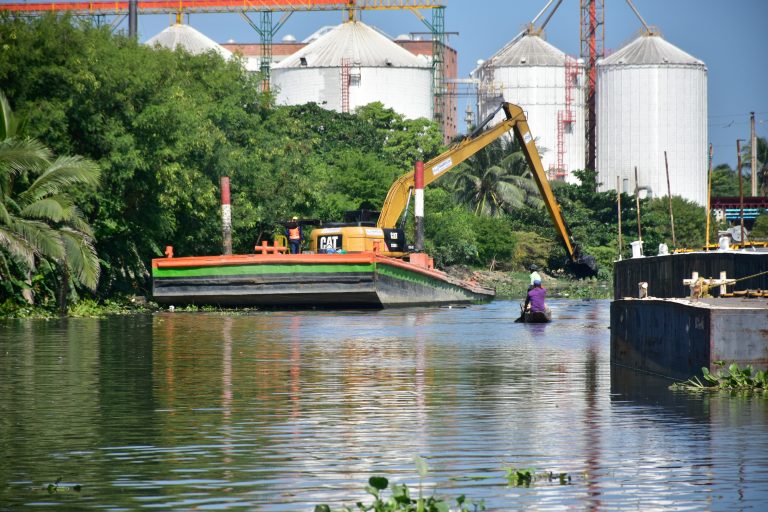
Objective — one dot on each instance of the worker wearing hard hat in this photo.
(294, 235)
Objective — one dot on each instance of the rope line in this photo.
(750, 277)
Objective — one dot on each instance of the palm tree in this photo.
(761, 166)
(38, 218)
(497, 180)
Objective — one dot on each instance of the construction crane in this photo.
(265, 28)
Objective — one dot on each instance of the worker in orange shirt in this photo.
(294, 235)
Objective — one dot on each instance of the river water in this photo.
(281, 411)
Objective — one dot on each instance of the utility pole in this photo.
(753, 143)
(637, 207)
(133, 16)
(618, 201)
(741, 189)
(669, 195)
(709, 193)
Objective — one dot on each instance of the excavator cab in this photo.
(358, 233)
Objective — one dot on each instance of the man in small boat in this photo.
(535, 298)
(294, 235)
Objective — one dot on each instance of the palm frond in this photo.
(47, 209)
(524, 183)
(511, 196)
(60, 174)
(18, 248)
(76, 220)
(41, 237)
(18, 155)
(8, 123)
(81, 257)
(5, 215)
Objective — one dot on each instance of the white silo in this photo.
(548, 85)
(652, 98)
(188, 39)
(353, 65)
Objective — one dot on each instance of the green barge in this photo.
(359, 280)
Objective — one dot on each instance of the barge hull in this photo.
(362, 280)
(677, 338)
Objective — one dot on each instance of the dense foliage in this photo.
(164, 127)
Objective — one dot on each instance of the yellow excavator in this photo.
(378, 231)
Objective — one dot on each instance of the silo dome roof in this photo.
(187, 38)
(355, 40)
(650, 49)
(529, 50)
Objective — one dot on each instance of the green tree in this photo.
(450, 237)
(725, 181)
(38, 216)
(496, 242)
(761, 166)
(690, 223)
(403, 141)
(163, 126)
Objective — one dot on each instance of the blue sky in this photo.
(730, 36)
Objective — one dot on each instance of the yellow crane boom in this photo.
(398, 195)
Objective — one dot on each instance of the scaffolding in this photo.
(438, 64)
(565, 117)
(345, 67)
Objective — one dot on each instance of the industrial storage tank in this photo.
(548, 85)
(353, 65)
(188, 39)
(652, 98)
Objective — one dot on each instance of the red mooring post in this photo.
(418, 179)
(226, 216)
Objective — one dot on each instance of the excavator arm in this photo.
(399, 193)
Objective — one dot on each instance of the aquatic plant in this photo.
(527, 477)
(734, 379)
(54, 487)
(401, 500)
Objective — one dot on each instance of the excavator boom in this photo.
(397, 198)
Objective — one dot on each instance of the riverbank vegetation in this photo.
(160, 129)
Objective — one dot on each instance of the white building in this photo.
(548, 85)
(353, 65)
(652, 98)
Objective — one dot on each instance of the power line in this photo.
(736, 115)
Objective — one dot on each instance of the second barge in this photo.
(673, 334)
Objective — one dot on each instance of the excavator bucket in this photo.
(583, 266)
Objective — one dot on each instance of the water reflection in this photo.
(284, 410)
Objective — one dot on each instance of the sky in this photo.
(730, 36)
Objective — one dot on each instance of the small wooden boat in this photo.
(534, 317)
(538, 317)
